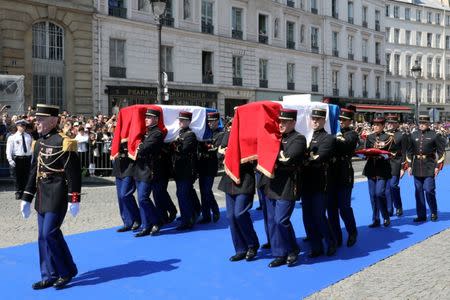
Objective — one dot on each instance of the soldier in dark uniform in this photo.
(184, 162)
(166, 208)
(315, 187)
(239, 200)
(55, 178)
(123, 170)
(283, 190)
(341, 176)
(146, 173)
(378, 172)
(208, 165)
(426, 156)
(398, 148)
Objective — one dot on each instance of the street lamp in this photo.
(159, 11)
(416, 70)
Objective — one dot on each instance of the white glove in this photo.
(12, 164)
(74, 208)
(25, 209)
(385, 156)
(362, 156)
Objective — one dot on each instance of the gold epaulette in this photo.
(68, 143)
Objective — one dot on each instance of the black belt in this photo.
(22, 156)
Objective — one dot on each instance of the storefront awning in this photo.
(382, 108)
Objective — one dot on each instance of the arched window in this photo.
(48, 63)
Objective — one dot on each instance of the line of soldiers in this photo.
(301, 171)
(184, 160)
(422, 153)
(322, 176)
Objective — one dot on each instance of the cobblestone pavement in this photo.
(419, 272)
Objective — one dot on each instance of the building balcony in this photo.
(336, 53)
(117, 72)
(237, 81)
(365, 59)
(335, 14)
(314, 49)
(290, 44)
(335, 92)
(350, 56)
(364, 24)
(350, 20)
(120, 12)
(377, 95)
(315, 88)
(207, 28)
(208, 79)
(290, 3)
(263, 83)
(237, 34)
(351, 93)
(263, 39)
(314, 10)
(365, 94)
(291, 86)
(167, 21)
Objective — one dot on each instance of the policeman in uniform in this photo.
(239, 200)
(341, 181)
(208, 165)
(184, 162)
(55, 178)
(398, 148)
(315, 187)
(283, 189)
(146, 174)
(378, 172)
(18, 153)
(123, 170)
(426, 156)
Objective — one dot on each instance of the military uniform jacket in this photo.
(123, 166)
(185, 155)
(208, 161)
(341, 169)
(247, 173)
(286, 181)
(319, 154)
(148, 160)
(375, 166)
(426, 152)
(55, 173)
(166, 162)
(398, 148)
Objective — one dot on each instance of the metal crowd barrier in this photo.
(96, 161)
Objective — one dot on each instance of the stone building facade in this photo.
(50, 43)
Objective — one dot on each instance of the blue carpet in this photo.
(194, 265)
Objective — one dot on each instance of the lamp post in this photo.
(159, 11)
(416, 70)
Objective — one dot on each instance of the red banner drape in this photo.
(254, 135)
(131, 128)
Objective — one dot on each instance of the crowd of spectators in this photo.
(94, 135)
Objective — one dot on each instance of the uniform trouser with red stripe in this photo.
(425, 188)
(54, 254)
